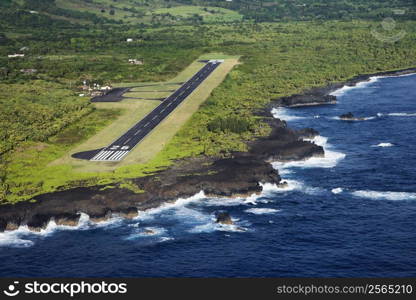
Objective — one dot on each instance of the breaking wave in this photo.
(337, 191)
(213, 226)
(361, 84)
(383, 145)
(392, 196)
(284, 114)
(330, 160)
(262, 211)
(402, 114)
(23, 236)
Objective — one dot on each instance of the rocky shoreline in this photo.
(322, 95)
(240, 175)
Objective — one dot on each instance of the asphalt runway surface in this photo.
(115, 95)
(124, 144)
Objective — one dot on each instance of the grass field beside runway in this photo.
(132, 110)
(163, 133)
(147, 95)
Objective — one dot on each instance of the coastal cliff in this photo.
(239, 175)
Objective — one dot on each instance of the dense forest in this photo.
(179, 12)
(40, 106)
(276, 10)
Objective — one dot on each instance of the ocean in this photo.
(350, 214)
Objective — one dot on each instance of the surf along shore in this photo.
(240, 175)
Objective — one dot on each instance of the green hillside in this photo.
(179, 12)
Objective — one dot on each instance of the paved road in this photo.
(123, 145)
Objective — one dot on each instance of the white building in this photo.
(15, 55)
(135, 61)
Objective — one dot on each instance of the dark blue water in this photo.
(350, 214)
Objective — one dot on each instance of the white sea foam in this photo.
(150, 235)
(234, 201)
(378, 195)
(295, 185)
(337, 191)
(165, 239)
(254, 199)
(284, 114)
(268, 190)
(361, 84)
(152, 231)
(107, 224)
(359, 119)
(22, 236)
(262, 211)
(192, 218)
(179, 203)
(212, 227)
(330, 160)
(384, 145)
(15, 238)
(402, 114)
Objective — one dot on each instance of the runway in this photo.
(124, 144)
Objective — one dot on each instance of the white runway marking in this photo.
(118, 155)
(102, 155)
(110, 155)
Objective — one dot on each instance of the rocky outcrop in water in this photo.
(350, 117)
(224, 218)
(315, 96)
(285, 144)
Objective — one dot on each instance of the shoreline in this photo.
(240, 175)
(323, 95)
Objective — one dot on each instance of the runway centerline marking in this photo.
(132, 137)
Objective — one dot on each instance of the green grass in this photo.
(95, 8)
(151, 12)
(131, 112)
(28, 169)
